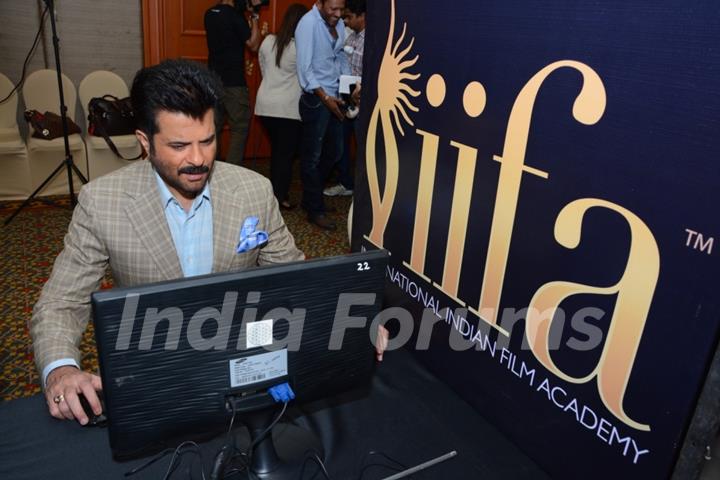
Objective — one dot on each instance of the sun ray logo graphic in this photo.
(389, 113)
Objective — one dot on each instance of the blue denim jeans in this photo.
(345, 174)
(321, 131)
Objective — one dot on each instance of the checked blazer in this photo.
(119, 221)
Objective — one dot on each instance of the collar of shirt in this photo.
(167, 197)
(355, 39)
(192, 232)
(316, 12)
(339, 27)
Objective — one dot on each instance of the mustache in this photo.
(194, 170)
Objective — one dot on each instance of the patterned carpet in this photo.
(34, 238)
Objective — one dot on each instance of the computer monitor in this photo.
(176, 357)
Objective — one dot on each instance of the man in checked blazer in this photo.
(177, 214)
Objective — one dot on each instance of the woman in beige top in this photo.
(277, 101)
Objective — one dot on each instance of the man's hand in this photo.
(253, 43)
(356, 94)
(333, 104)
(382, 342)
(61, 393)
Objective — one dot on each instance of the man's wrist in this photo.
(52, 366)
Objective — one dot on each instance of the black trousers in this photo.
(284, 136)
(235, 107)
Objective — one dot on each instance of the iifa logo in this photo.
(633, 290)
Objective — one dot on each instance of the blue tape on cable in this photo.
(282, 393)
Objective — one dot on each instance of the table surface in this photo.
(406, 413)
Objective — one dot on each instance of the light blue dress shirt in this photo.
(192, 234)
(320, 58)
(192, 231)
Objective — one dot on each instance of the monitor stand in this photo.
(280, 455)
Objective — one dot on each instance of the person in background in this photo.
(354, 18)
(277, 101)
(228, 34)
(320, 39)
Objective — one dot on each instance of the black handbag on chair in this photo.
(48, 125)
(109, 116)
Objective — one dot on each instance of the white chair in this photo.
(15, 179)
(41, 93)
(102, 159)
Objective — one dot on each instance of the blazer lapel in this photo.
(148, 220)
(225, 232)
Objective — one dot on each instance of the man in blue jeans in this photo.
(354, 18)
(319, 40)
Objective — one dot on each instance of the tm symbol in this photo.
(698, 241)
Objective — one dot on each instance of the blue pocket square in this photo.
(249, 237)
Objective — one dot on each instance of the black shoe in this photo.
(322, 221)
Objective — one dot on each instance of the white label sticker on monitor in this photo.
(259, 334)
(258, 368)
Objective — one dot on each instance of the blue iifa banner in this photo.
(545, 176)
